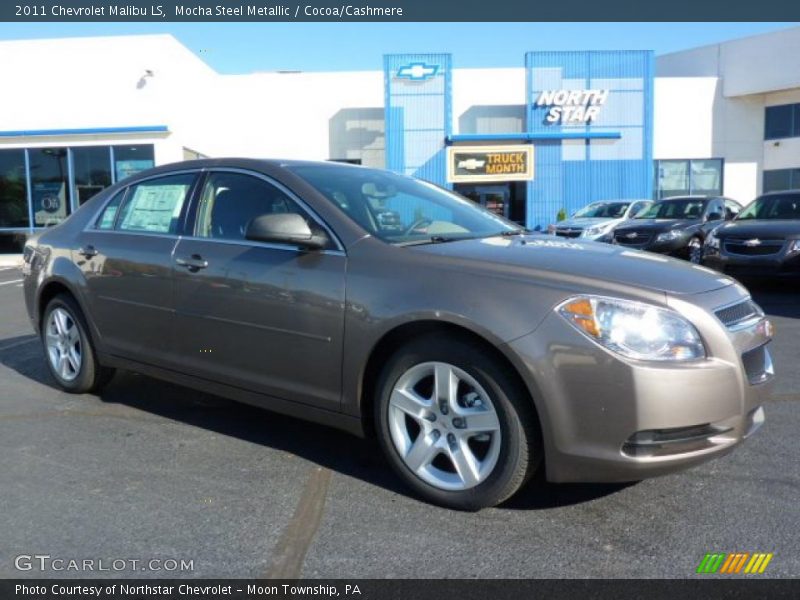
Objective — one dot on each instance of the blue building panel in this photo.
(615, 90)
(418, 106)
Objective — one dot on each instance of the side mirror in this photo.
(285, 228)
(714, 216)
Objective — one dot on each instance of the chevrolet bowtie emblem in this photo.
(417, 71)
(471, 164)
(632, 235)
(753, 243)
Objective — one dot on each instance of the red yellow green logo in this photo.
(735, 563)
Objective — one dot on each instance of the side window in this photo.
(637, 208)
(109, 214)
(154, 206)
(731, 209)
(715, 207)
(231, 200)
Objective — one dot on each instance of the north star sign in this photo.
(572, 106)
(418, 71)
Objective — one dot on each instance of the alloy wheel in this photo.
(444, 426)
(63, 342)
(695, 251)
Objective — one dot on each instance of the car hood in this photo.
(582, 223)
(589, 260)
(657, 224)
(755, 228)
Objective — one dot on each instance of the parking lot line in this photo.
(10, 282)
(33, 338)
(291, 549)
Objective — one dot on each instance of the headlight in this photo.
(634, 329)
(596, 230)
(668, 236)
(794, 246)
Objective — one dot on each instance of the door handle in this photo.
(194, 263)
(87, 251)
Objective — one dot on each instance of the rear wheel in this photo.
(70, 354)
(455, 423)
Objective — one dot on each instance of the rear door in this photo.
(126, 259)
(265, 317)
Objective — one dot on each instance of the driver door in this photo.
(265, 317)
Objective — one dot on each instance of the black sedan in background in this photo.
(764, 240)
(677, 226)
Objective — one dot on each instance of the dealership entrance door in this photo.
(504, 199)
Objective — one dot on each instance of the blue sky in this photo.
(248, 47)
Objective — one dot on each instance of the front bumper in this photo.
(782, 264)
(605, 418)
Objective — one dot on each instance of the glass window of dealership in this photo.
(40, 187)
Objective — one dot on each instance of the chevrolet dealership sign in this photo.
(489, 163)
(572, 106)
(417, 71)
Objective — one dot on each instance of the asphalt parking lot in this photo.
(152, 470)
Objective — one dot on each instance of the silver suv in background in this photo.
(597, 220)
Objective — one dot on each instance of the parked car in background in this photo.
(676, 226)
(597, 220)
(472, 350)
(763, 240)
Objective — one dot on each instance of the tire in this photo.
(69, 352)
(454, 453)
(694, 250)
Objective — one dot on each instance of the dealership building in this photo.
(557, 132)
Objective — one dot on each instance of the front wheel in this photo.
(68, 348)
(695, 250)
(456, 424)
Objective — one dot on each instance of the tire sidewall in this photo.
(505, 397)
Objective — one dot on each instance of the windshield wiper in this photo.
(513, 232)
(434, 239)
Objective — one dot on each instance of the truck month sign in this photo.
(489, 163)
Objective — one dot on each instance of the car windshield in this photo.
(773, 207)
(402, 210)
(685, 208)
(602, 210)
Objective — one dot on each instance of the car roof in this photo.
(619, 201)
(781, 193)
(690, 197)
(243, 162)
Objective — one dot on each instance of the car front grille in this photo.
(753, 246)
(632, 238)
(736, 314)
(570, 232)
